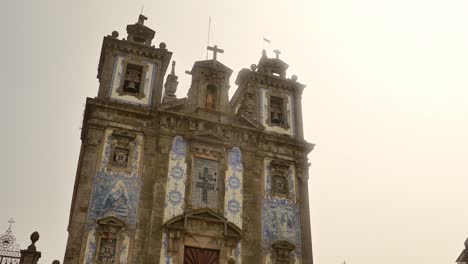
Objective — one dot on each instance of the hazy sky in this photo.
(385, 102)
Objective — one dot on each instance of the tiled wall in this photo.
(175, 189)
(176, 179)
(115, 193)
(234, 191)
(280, 216)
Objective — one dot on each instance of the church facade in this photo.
(201, 179)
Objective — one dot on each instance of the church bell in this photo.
(275, 118)
(131, 87)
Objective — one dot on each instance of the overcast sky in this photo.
(385, 102)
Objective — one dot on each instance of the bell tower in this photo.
(209, 91)
(132, 70)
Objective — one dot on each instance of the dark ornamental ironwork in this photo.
(9, 249)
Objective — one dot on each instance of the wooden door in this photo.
(200, 256)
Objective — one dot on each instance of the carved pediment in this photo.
(283, 245)
(123, 134)
(111, 224)
(283, 250)
(204, 222)
(111, 221)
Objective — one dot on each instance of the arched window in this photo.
(211, 96)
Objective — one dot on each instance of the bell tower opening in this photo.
(132, 81)
(276, 110)
(210, 101)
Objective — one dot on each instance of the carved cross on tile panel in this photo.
(206, 183)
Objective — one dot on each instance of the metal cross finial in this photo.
(215, 51)
(277, 53)
(11, 221)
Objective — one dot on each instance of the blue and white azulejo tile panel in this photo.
(176, 179)
(291, 180)
(165, 258)
(234, 189)
(116, 193)
(280, 216)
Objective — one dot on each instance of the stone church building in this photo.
(202, 179)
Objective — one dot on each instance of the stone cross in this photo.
(215, 51)
(205, 184)
(277, 53)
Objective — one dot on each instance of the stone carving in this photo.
(201, 228)
(282, 252)
(30, 255)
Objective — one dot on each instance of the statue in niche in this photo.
(210, 101)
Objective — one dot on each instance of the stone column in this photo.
(31, 255)
(305, 215)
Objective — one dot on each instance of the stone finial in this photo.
(294, 77)
(141, 19)
(170, 87)
(231, 260)
(272, 66)
(140, 33)
(173, 68)
(115, 34)
(31, 255)
(34, 238)
(55, 262)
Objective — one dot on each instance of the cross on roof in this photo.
(277, 53)
(215, 51)
(11, 221)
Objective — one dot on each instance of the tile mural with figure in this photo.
(280, 215)
(116, 194)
